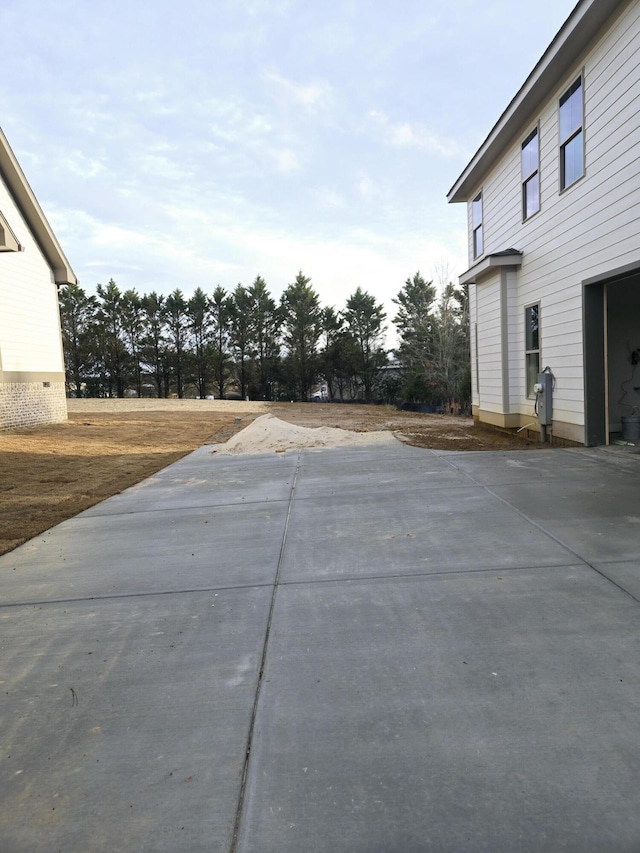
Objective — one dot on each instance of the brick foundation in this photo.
(27, 404)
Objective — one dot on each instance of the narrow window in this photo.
(532, 345)
(530, 175)
(476, 225)
(570, 124)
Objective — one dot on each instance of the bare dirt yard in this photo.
(49, 474)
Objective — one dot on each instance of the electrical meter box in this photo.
(544, 404)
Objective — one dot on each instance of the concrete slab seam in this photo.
(121, 595)
(193, 508)
(417, 489)
(254, 712)
(427, 575)
(551, 536)
(350, 579)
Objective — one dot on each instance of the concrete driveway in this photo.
(377, 650)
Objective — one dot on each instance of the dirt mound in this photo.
(268, 434)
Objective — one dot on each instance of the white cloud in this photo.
(82, 165)
(119, 238)
(413, 135)
(84, 229)
(312, 96)
(155, 101)
(167, 168)
(232, 121)
(285, 160)
(366, 186)
(229, 110)
(213, 154)
(331, 198)
(270, 7)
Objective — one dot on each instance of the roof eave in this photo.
(28, 205)
(581, 27)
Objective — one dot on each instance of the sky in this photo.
(206, 142)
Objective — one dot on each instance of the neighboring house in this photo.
(32, 266)
(553, 202)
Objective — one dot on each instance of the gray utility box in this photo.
(544, 402)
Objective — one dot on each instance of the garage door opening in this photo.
(612, 357)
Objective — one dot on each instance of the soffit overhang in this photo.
(489, 264)
(582, 26)
(27, 203)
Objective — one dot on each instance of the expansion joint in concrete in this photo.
(263, 662)
(153, 593)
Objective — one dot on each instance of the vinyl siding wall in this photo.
(30, 338)
(489, 344)
(32, 387)
(473, 319)
(516, 374)
(589, 229)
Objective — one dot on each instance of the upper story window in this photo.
(571, 136)
(530, 175)
(476, 225)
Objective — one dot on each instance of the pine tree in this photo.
(110, 336)
(301, 326)
(199, 323)
(176, 317)
(365, 322)
(77, 318)
(415, 324)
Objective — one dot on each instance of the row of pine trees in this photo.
(246, 343)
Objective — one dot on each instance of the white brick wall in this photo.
(26, 404)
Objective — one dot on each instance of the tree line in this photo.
(243, 342)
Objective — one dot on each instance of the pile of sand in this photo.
(268, 434)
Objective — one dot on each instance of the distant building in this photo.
(32, 266)
(553, 202)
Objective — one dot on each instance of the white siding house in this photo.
(32, 266)
(553, 199)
